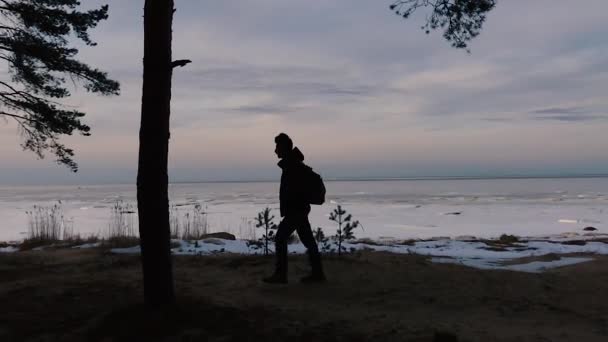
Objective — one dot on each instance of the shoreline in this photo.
(525, 254)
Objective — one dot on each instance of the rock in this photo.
(575, 242)
(214, 241)
(508, 239)
(467, 238)
(219, 235)
(589, 229)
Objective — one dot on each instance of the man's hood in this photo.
(295, 156)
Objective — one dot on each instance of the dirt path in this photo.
(95, 296)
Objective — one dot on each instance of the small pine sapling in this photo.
(345, 227)
(265, 220)
(322, 240)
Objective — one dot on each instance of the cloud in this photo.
(561, 110)
(263, 109)
(354, 84)
(567, 114)
(571, 118)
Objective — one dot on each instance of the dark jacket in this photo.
(291, 195)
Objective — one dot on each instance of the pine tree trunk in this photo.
(152, 177)
(340, 235)
(266, 238)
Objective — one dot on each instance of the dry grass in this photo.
(246, 229)
(48, 226)
(122, 221)
(188, 224)
(75, 240)
(120, 242)
(46, 223)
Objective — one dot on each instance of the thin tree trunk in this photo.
(152, 177)
(266, 238)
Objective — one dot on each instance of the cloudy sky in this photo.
(361, 91)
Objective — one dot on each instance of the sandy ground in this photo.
(70, 295)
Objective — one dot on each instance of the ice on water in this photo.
(391, 209)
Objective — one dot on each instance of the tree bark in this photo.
(152, 175)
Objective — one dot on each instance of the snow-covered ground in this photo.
(476, 254)
(531, 267)
(8, 249)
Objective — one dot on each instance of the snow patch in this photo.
(531, 267)
(9, 249)
(476, 254)
(88, 245)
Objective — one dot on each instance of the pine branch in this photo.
(180, 63)
(461, 20)
(34, 43)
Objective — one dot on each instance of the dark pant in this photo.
(300, 224)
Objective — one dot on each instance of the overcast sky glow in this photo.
(362, 92)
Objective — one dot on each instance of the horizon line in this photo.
(348, 179)
(405, 178)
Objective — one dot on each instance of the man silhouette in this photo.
(294, 211)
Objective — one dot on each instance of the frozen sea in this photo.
(391, 209)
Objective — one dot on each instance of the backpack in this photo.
(315, 189)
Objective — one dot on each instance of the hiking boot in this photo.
(314, 278)
(275, 279)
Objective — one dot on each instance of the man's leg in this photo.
(308, 239)
(285, 229)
